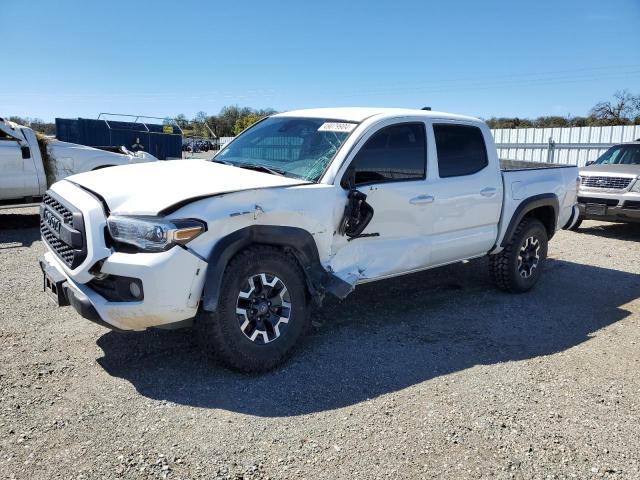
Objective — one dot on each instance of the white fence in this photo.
(572, 146)
(225, 140)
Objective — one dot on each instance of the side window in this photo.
(461, 150)
(392, 154)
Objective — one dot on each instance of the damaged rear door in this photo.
(390, 168)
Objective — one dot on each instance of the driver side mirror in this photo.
(357, 215)
(590, 162)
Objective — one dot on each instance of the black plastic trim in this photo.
(297, 240)
(71, 234)
(574, 212)
(526, 206)
(610, 202)
(115, 288)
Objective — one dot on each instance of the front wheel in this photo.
(262, 311)
(519, 266)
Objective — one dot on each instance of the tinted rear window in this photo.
(461, 150)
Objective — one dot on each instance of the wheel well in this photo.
(100, 167)
(546, 215)
(287, 250)
(295, 241)
(543, 207)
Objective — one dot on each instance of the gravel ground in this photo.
(435, 375)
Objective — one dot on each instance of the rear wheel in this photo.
(262, 311)
(519, 266)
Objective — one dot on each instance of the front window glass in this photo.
(295, 147)
(621, 155)
(393, 154)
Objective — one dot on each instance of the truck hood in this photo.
(611, 169)
(151, 188)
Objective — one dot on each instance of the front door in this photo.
(390, 168)
(11, 169)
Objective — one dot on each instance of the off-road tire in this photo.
(504, 266)
(220, 334)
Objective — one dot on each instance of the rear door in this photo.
(12, 168)
(467, 193)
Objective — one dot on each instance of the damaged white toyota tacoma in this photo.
(300, 205)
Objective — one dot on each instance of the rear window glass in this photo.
(461, 150)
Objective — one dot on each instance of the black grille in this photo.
(117, 289)
(611, 202)
(63, 211)
(616, 183)
(69, 244)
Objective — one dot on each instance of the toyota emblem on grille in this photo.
(51, 220)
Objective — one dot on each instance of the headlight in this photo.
(153, 234)
(636, 186)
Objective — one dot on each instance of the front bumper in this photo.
(611, 214)
(172, 280)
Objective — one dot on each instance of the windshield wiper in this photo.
(261, 168)
(223, 162)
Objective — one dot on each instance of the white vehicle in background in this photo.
(300, 205)
(25, 175)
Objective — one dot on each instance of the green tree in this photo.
(624, 109)
(246, 121)
(181, 120)
(198, 124)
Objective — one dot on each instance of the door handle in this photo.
(488, 192)
(421, 200)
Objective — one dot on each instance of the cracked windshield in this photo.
(294, 147)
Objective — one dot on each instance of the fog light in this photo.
(135, 290)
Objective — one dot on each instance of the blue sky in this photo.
(162, 58)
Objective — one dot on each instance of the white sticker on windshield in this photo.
(337, 127)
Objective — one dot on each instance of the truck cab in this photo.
(23, 175)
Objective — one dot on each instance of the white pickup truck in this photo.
(24, 174)
(299, 205)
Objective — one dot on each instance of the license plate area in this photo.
(53, 285)
(595, 209)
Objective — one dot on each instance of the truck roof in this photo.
(358, 114)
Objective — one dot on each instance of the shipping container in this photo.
(161, 141)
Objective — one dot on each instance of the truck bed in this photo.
(525, 180)
(510, 165)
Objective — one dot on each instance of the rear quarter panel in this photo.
(519, 185)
